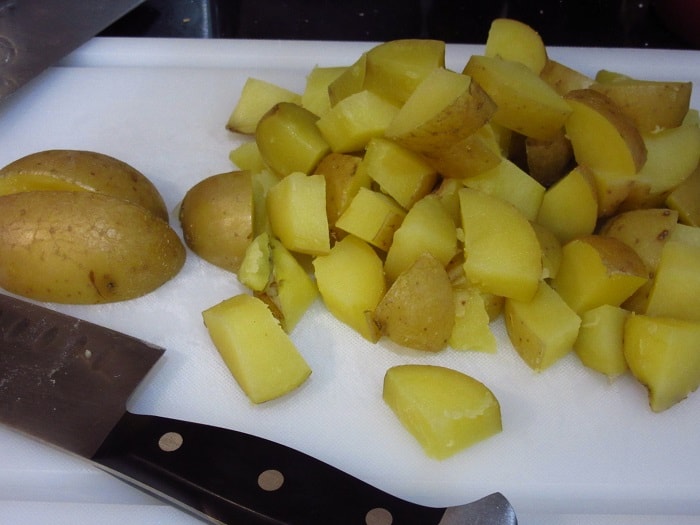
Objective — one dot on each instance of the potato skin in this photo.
(83, 247)
(86, 170)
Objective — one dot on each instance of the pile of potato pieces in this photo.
(428, 202)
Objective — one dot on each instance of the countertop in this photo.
(592, 23)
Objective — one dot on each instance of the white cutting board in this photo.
(575, 447)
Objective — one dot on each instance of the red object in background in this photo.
(682, 17)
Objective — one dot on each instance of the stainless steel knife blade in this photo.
(66, 381)
(35, 34)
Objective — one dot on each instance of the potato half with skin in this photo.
(83, 247)
(217, 218)
(74, 170)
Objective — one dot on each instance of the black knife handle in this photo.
(240, 479)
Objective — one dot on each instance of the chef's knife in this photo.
(35, 34)
(66, 382)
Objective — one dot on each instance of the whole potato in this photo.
(82, 247)
(81, 170)
(217, 218)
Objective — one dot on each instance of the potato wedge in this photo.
(675, 290)
(685, 199)
(600, 340)
(81, 247)
(514, 40)
(257, 98)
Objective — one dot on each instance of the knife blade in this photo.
(35, 34)
(66, 381)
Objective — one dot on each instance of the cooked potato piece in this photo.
(471, 156)
(493, 304)
(289, 140)
(510, 183)
(686, 234)
(597, 270)
(262, 182)
(570, 207)
(82, 247)
(418, 310)
(685, 199)
(645, 231)
(427, 228)
(257, 98)
(602, 136)
(217, 218)
(652, 105)
(351, 281)
(471, 330)
(549, 160)
(296, 207)
(373, 217)
(551, 248)
(513, 40)
(662, 353)
(445, 410)
(542, 330)
(399, 172)
(260, 355)
(72, 170)
(445, 108)
(246, 157)
(349, 82)
(502, 252)
(599, 344)
(315, 97)
(256, 266)
(351, 123)
(562, 78)
(676, 288)
(612, 190)
(396, 67)
(526, 103)
(344, 178)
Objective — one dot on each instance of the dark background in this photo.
(606, 23)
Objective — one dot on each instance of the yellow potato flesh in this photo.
(260, 355)
(83, 247)
(676, 287)
(445, 410)
(599, 344)
(256, 99)
(514, 40)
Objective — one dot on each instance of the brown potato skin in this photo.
(91, 171)
(83, 247)
(217, 218)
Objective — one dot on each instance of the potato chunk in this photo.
(259, 354)
(675, 290)
(418, 311)
(664, 355)
(445, 410)
(256, 99)
(514, 40)
(599, 343)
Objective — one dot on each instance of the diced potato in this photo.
(257, 98)
(600, 340)
(259, 354)
(343, 180)
(349, 82)
(418, 310)
(502, 252)
(247, 157)
(447, 193)
(471, 330)
(685, 198)
(570, 207)
(296, 207)
(549, 160)
(315, 97)
(612, 190)
(672, 156)
(526, 103)
(664, 355)
(563, 78)
(597, 270)
(289, 140)
(511, 184)
(427, 228)
(542, 330)
(373, 217)
(493, 304)
(652, 105)
(445, 410)
(351, 123)
(551, 248)
(256, 267)
(400, 173)
(262, 182)
(471, 156)
(603, 138)
(676, 288)
(686, 234)
(645, 231)
(445, 108)
(351, 281)
(216, 216)
(396, 67)
(514, 40)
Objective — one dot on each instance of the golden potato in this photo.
(217, 218)
(83, 247)
(257, 97)
(548, 160)
(514, 40)
(685, 198)
(562, 78)
(418, 310)
(73, 170)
